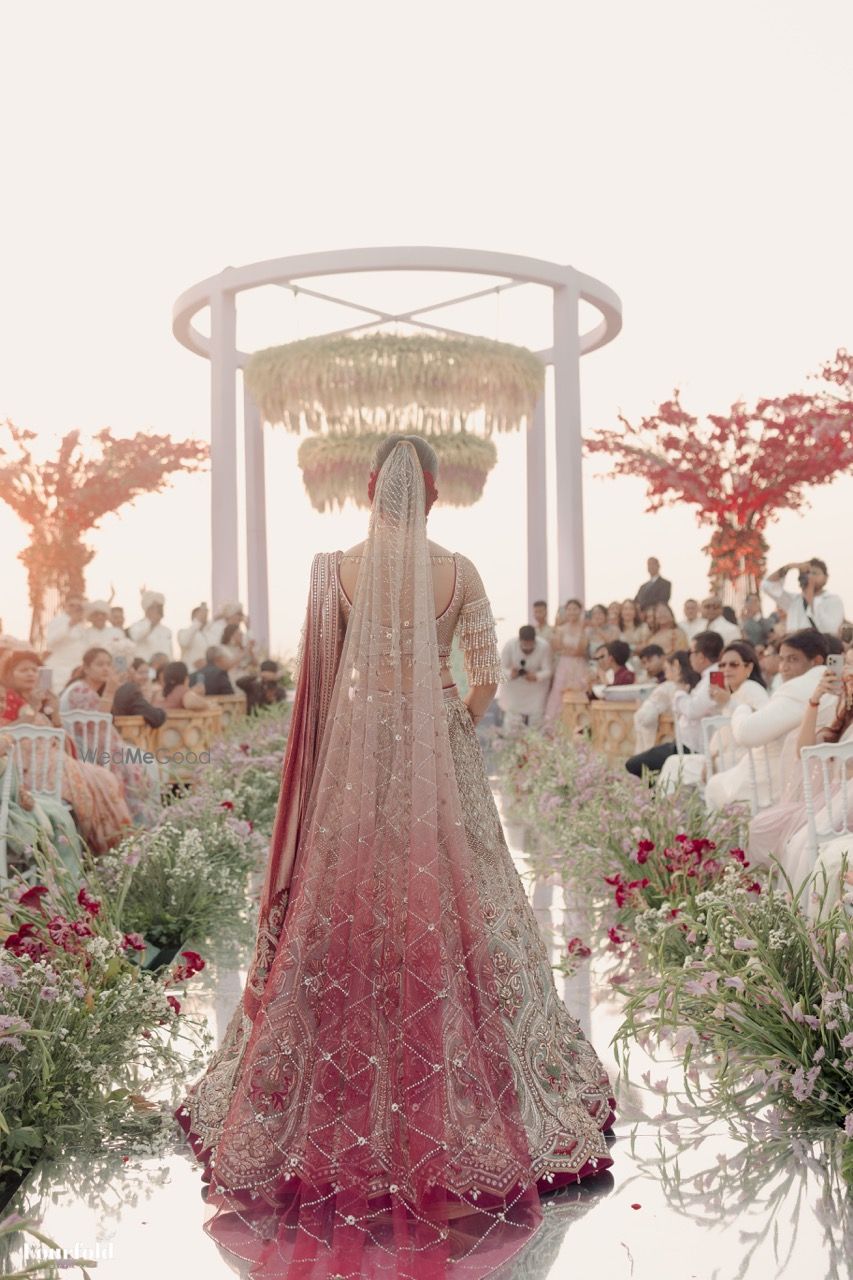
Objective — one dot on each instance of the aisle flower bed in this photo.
(713, 957)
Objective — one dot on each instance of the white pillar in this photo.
(256, 522)
(569, 448)
(223, 447)
(537, 510)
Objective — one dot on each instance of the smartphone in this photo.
(45, 680)
(718, 678)
(835, 664)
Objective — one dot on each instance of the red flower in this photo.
(639, 884)
(82, 930)
(577, 947)
(755, 887)
(739, 856)
(644, 848)
(32, 897)
(636, 1206)
(194, 964)
(615, 936)
(227, 804)
(89, 904)
(174, 1002)
(133, 942)
(23, 943)
(615, 879)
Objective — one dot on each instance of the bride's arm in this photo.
(479, 643)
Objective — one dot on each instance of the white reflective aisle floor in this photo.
(680, 1203)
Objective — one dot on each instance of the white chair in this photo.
(39, 767)
(5, 801)
(761, 759)
(728, 750)
(835, 805)
(90, 731)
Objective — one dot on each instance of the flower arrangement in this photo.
(84, 1031)
(430, 383)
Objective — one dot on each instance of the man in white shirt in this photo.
(65, 641)
(227, 614)
(692, 622)
(540, 620)
(814, 606)
(802, 657)
(526, 678)
(193, 639)
(690, 708)
(148, 634)
(101, 632)
(712, 612)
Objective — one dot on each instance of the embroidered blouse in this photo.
(469, 614)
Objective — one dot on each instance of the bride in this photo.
(400, 1080)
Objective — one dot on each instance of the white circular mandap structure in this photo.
(344, 390)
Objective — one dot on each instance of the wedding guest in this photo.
(266, 690)
(544, 630)
(657, 590)
(769, 662)
(65, 640)
(744, 687)
(665, 632)
(130, 700)
(677, 673)
(213, 676)
(599, 630)
(94, 691)
(632, 629)
(240, 649)
(570, 646)
(755, 628)
(94, 794)
(653, 659)
(117, 618)
(177, 694)
(616, 663)
(193, 640)
(228, 615)
(692, 622)
(614, 618)
(690, 706)
(802, 657)
(149, 635)
(814, 606)
(100, 631)
(715, 620)
(526, 667)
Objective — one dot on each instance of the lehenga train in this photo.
(400, 1080)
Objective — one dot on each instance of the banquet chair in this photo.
(44, 776)
(728, 751)
(835, 792)
(760, 757)
(90, 732)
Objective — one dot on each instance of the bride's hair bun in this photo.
(426, 454)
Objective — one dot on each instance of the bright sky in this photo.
(692, 157)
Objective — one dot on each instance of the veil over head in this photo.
(375, 1100)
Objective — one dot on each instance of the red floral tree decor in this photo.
(61, 500)
(740, 469)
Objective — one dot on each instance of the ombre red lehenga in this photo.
(400, 1079)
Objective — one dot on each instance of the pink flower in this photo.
(745, 944)
(577, 947)
(89, 904)
(739, 856)
(174, 1003)
(133, 942)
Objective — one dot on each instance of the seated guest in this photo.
(265, 689)
(690, 707)
(130, 700)
(526, 666)
(214, 674)
(755, 628)
(802, 657)
(678, 673)
(653, 660)
(177, 694)
(692, 622)
(95, 690)
(743, 687)
(769, 661)
(157, 663)
(665, 632)
(94, 794)
(715, 619)
(616, 663)
(826, 718)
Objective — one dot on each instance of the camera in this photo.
(522, 663)
(804, 579)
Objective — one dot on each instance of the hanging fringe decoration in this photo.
(391, 382)
(335, 468)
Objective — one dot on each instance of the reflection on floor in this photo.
(683, 1202)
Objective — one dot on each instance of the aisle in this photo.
(721, 1213)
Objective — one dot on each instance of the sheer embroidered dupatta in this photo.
(373, 1128)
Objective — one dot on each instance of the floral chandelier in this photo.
(432, 384)
(336, 466)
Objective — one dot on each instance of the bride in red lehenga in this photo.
(400, 1080)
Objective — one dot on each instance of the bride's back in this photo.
(443, 573)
